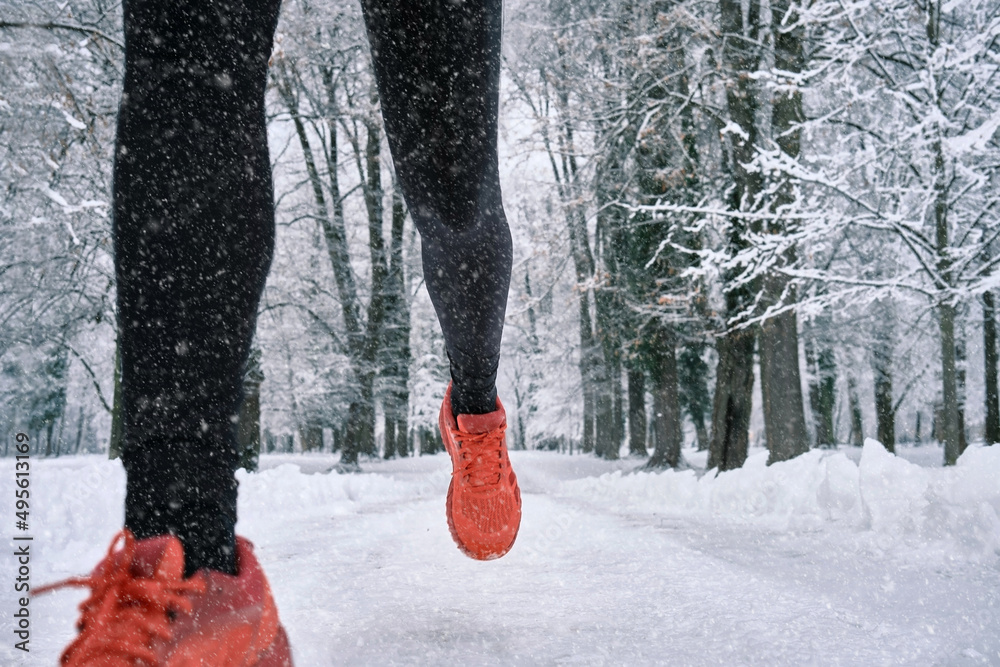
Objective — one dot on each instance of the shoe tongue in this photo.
(162, 556)
(481, 423)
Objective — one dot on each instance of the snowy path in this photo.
(365, 573)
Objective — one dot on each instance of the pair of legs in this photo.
(194, 228)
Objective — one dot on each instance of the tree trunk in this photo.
(822, 387)
(403, 435)
(950, 430)
(389, 450)
(962, 443)
(693, 374)
(380, 270)
(702, 434)
(636, 412)
(360, 424)
(857, 428)
(606, 444)
(666, 402)
(396, 337)
(950, 433)
(311, 437)
(587, 353)
(619, 399)
(117, 426)
(248, 433)
(960, 368)
(62, 425)
(430, 441)
(732, 401)
(595, 402)
(525, 395)
(609, 308)
(992, 434)
(949, 422)
(79, 432)
(885, 414)
(741, 56)
(520, 439)
(781, 389)
(781, 381)
(827, 367)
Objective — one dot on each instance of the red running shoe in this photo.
(142, 612)
(484, 501)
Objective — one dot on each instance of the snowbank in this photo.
(951, 513)
(328, 494)
(78, 503)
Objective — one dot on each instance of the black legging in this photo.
(194, 227)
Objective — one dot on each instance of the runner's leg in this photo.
(437, 63)
(194, 233)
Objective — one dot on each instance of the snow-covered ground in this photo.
(819, 560)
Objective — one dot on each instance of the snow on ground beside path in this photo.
(952, 513)
(819, 560)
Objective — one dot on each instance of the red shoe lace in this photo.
(124, 613)
(482, 455)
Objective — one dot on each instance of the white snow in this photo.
(819, 560)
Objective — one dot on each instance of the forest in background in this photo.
(735, 222)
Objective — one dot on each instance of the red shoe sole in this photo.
(279, 654)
